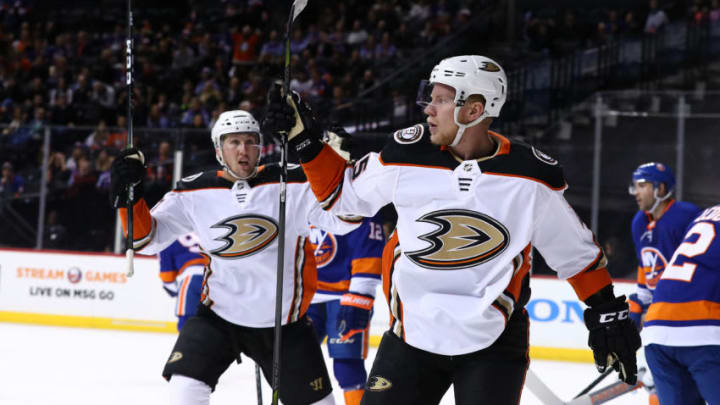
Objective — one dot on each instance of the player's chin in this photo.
(437, 138)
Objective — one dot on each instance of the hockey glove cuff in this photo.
(637, 310)
(354, 315)
(613, 338)
(127, 169)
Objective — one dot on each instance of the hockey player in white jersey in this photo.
(233, 212)
(471, 206)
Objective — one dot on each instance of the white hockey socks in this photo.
(189, 391)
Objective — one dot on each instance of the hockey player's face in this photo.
(241, 153)
(440, 115)
(643, 192)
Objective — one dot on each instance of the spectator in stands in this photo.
(367, 50)
(385, 51)
(298, 42)
(79, 150)
(714, 12)
(403, 39)
(244, 45)
(58, 174)
(11, 184)
(98, 139)
(61, 113)
(102, 167)
(16, 132)
(301, 83)
(157, 118)
(357, 35)
(656, 19)
(368, 80)
(103, 95)
(196, 108)
(632, 25)
(428, 36)
(272, 49)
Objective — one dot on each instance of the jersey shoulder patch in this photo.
(527, 161)
(197, 181)
(412, 146)
(270, 173)
(409, 135)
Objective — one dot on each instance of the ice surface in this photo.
(42, 365)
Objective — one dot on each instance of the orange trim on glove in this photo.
(588, 283)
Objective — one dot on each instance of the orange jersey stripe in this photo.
(588, 283)
(309, 277)
(325, 172)
(339, 286)
(515, 285)
(641, 275)
(685, 311)
(181, 297)
(142, 220)
(367, 265)
(202, 261)
(388, 260)
(168, 276)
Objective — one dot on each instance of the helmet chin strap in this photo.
(658, 199)
(463, 127)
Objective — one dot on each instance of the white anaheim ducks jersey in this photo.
(238, 229)
(466, 231)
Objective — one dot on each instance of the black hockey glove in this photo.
(127, 168)
(292, 118)
(613, 338)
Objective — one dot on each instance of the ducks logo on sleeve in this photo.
(246, 235)
(463, 239)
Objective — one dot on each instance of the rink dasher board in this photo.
(91, 290)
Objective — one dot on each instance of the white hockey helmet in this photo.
(233, 122)
(470, 75)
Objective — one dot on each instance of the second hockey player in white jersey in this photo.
(471, 206)
(233, 213)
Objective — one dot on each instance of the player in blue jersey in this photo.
(181, 270)
(657, 229)
(682, 326)
(349, 270)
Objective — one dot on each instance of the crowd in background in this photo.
(65, 67)
(61, 71)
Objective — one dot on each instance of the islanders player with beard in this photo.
(657, 230)
(233, 212)
(348, 275)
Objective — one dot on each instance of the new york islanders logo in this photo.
(653, 264)
(462, 239)
(246, 235)
(324, 245)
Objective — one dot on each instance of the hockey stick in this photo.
(601, 396)
(541, 391)
(609, 392)
(595, 382)
(129, 252)
(296, 8)
(258, 384)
